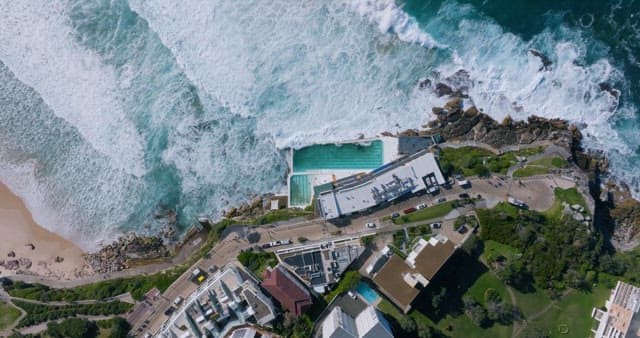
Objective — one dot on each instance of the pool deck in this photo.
(322, 176)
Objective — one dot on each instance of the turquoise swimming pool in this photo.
(343, 156)
(300, 190)
(369, 294)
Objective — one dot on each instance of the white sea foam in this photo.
(307, 72)
(37, 44)
(268, 74)
(390, 18)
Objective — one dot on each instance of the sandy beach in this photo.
(27, 248)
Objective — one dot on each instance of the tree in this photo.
(472, 245)
(407, 324)
(302, 327)
(119, 328)
(612, 265)
(492, 296)
(72, 328)
(424, 330)
(478, 315)
(437, 299)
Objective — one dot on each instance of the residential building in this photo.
(362, 192)
(369, 323)
(338, 324)
(620, 319)
(287, 290)
(398, 278)
(320, 265)
(227, 299)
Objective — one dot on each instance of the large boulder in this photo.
(442, 89)
(453, 105)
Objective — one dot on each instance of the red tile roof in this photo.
(286, 290)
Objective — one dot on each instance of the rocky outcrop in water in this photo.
(253, 208)
(126, 251)
(455, 123)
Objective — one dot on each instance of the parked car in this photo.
(370, 225)
(442, 200)
(178, 301)
(421, 206)
(464, 195)
(409, 210)
(169, 311)
(266, 245)
(461, 229)
(435, 225)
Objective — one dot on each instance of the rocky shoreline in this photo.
(454, 122)
(619, 212)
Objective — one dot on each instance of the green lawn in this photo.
(348, 281)
(572, 313)
(8, 315)
(389, 309)
(472, 161)
(464, 327)
(531, 302)
(281, 215)
(529, 170)
(571, 196)
(494, 249)
(435, 211)
(541, 166)
(488, 281)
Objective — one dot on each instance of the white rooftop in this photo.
(371, 324)
(412, 174)
(338, 325)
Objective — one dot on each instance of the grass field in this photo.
(476, 161)
(571, 316)
(571, 196)
(8, 315)
(494, 249)
(432, 212)
(488, 281)
(540, 167)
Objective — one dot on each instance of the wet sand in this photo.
(20, 234)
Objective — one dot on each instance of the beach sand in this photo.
(18, 231)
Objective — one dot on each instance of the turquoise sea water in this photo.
(112, 112)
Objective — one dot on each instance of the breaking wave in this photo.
(113, 111)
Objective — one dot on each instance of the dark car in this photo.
(442, 200)
(464, 195)
(409, 210)
(169, 311)
(461, 229)
(395, 215)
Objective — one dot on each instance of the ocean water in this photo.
(112, 112)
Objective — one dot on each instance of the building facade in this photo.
(620, 319)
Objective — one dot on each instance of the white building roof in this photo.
(411, 174)
(371, 324)
(338, 325)
(621, 319)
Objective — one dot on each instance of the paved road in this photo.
(314, 230)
